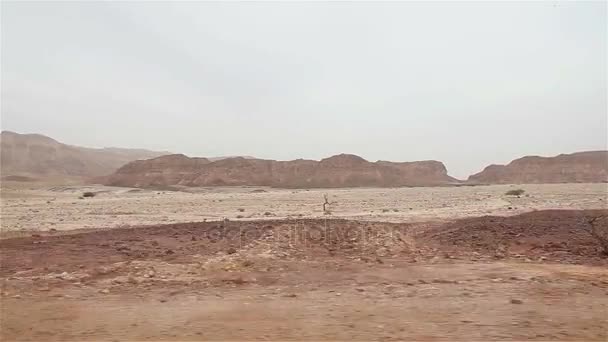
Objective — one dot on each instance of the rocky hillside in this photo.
(582, 167)
(342, 170)
(27, 156)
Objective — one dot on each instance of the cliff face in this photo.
(582, 167)
(338, 171)
(40, 156)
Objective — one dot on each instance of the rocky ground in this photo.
(26, 206)
(536, 276)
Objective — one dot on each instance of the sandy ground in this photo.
(185, 282)
(455, 301)
(26, 207)
(387, 264)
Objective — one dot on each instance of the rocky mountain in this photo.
(582, 167)
(34, 156)
(344, 170)
(226, 157)
(26, 156)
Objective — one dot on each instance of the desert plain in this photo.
(44, 206)
(256, 263)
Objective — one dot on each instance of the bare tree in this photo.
(596, 226)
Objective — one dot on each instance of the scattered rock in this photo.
(63, 276)
(517, 301)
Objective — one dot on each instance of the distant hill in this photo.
(226, 157)
(581, 167)
(34, 156)
(25, 157)
(344, 170)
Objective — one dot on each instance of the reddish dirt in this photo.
(178, 242)
(310, 279)
(553, 235)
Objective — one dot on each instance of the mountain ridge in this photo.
(39, 156)
(578, 167)
(31, 156)
(342, 170)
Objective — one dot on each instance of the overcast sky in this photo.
(468, 84)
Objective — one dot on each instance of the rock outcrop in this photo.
(342, 170)
(582, 167)
(35, 156)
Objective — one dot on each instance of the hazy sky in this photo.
(466, 83)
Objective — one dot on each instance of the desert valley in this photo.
(144, 245)
(303, 171)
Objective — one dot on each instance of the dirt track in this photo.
(311, 279)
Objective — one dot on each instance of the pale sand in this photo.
(58, 207)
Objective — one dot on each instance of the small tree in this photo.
(596, 226)
(325, 204)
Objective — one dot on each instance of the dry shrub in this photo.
(515, 192)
